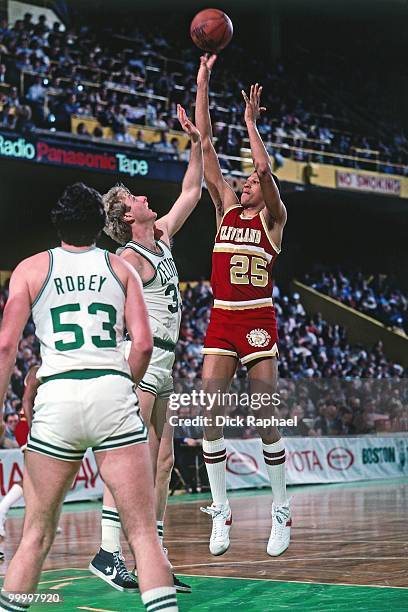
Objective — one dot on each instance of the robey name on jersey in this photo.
(81, 282)
(240, 234)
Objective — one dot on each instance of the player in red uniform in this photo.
(243, 322)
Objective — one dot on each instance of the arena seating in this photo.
(107, 84)
(374, 295)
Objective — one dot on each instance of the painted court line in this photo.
(215, 564)
(95, 609)
(374, 586)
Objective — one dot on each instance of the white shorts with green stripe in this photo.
(158, 379)
(71, 415)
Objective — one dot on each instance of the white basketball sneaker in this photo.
(222, 521)
(280, 532)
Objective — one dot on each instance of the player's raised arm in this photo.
(136, 318)
(221, 193)
(192, 182)
(275, 209)
(16, 313)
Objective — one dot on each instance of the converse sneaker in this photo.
(280, 532)
(180, 586)
(222, 521)
(112, 569)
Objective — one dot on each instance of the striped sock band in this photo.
(215, 458)
(160, 531)
(161, 598)
(275, 457)
(7, 602)
(110, 529)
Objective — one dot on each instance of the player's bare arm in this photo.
(221, 193)
(136, 317)
(275, 211)
(192, 182)
(25, 284)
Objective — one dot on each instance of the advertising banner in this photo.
(320, 460)
(373, 183)
(87, 484)
(65, 153)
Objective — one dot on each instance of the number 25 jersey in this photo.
(242, 262)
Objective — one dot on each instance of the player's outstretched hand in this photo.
(187, 125)
(253, 106)
(206, 65)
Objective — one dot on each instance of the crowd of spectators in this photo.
(331, 386)
(375, 295)
(122, 76)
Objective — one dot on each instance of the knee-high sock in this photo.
(110, 529)
(274, 456)
(160, 598)
(215, 458)
(12, 496)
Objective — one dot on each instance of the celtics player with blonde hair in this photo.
(81, 298)
(146, 242)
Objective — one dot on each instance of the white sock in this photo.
(160, 598)
(215, 458)
(110, 529)
(12, 496)
(274, 457)
(160, 531)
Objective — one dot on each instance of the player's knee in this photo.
(39, 538)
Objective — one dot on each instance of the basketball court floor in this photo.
(349, 552)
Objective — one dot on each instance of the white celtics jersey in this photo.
(161, 293)
(79, 314)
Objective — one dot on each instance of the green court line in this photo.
(81, 590)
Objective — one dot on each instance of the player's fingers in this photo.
(211, 60)
(245, 96)
(262, 109)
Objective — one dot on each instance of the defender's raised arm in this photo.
(192, 183)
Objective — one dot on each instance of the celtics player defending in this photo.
(133, 224)
(243, 322)
(81, 299)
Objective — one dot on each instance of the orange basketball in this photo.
(211, 30)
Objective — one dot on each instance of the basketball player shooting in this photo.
(81, 298)
(131, 223)
(243, 322)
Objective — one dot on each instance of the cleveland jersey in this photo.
(242, 262)
(79, 314)
(161, 292)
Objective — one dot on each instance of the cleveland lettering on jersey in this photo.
(240, 234)
(68, 284)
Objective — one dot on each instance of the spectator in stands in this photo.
(82, 129)
(8, 439)
(139, 141)
(36, 91)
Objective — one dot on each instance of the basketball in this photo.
(211, 30)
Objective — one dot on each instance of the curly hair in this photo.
(116, 227)
(79, 215)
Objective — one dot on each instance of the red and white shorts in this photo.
(245, 334)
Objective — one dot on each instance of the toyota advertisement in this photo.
(317, 460)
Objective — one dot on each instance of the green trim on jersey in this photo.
(84, 375)
(149, 250)
(133, 248)
(50, 266)
(91, 248)
(166, 345)
(111, 270)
